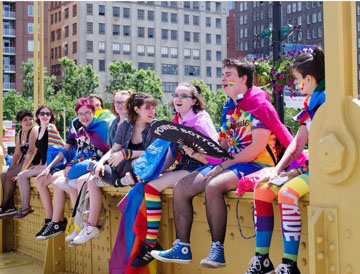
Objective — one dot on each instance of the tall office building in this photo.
(179, 40)
(251, 18)
(18, 41)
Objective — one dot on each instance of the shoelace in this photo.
(215, 251)
(48, 228)
(174, 249)
(283, 269)
(255, 265)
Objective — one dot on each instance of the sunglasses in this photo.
(45, 113)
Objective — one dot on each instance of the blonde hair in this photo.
(121, 92)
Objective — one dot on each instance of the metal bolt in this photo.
(320, 256)
(303, 262)
(333, 268)
(347, 233)
(330, 217)
(303, 245)
(349, 269)
(319, 239)
(332, 247)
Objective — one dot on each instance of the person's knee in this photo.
(212, 189)
(286, 196)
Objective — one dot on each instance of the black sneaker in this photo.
(260, 264)
(287, 267)
(8, 211)
(46, 223)
(53, 229)
(144, 257)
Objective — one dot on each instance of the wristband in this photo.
(222, 168)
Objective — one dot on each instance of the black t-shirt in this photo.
(42, 146)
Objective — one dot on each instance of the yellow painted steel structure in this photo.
(331, 231)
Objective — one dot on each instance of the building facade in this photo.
(251, 18)
(179, 40)
(18, 41)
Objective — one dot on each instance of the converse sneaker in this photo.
(71, 236)
(216, 257)
(144, 257)
(179, 253)
(7, 212)
(53, 229)
(260, 264)
(87, 233)
(287, 267)
(46, 223)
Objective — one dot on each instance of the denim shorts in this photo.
(241, 169)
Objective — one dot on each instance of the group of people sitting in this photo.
(101, 149)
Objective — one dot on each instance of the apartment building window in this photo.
(246, 32)
(164, 17)
(151, 32)
(89, 9)
(74, 27)
(66, 13)
(319, 16)
(66, 49)
(299, 6)
(116, 48)
(89, 46)
(187, 36)
(169, 69)
(145, 66)
(74, 47)
(196, 20)
(300, 36)
(89, 62)
(173, 17)
(314, 18)
(208, 38)
(208, 55)
(116, 11)
(208, 5)
(174, 35)
(55, 17)
(164, 3)
(173, 52)
(66, 31)
(218, 23)
(217, 6)
(196, 5)
(101, 65)
(196, 37)
(299, 20)
(308, 34)
(308, 5)
(164, 34)
(164, 52)
(30, 28)
(308, 19)
(314, 33)
(186, 19)
(208, 21)
(126, 13)
(314, 4)
(173, 4)
(150, 50)
(31, 11)
(270, 13)
(218, 56)
(126, 49)
(141, 50)
(294, 7)
(150, 15)
(218, 72)
(102, 10)
(169, 87)
(30, 45)
(320, 34)
(186, 4)
(89, 28)
(196, 54)
(192, 70)
(52, 18)
(116, 29)
(245, 19)
(52, 53)
(187, 53)
(141, 32)
(208, 71)
(101, 28)
(58, 34)
(74, 10)
(141, 15)
(102, 47)
(126, 30)
(218, 39)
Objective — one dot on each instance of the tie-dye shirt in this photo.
(239, 135)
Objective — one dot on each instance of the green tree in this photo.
(77, 81)
(125, 76)
(28, 80)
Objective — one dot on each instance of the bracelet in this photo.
(299, 171)
(222, 168)
(127, 153)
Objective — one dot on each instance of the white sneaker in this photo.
(71, 236)
(88, 233)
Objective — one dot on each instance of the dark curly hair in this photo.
(137, 100)
(22, 114)
(52, 116)
(243, 68)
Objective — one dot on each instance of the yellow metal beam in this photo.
(36, 54)
(42, 50)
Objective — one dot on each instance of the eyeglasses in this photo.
(119, 103)
(82, 114)
(42, 113)
(182, 96)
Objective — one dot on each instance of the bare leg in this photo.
(73, 192)
(168, 179)
(59, 204)
(95, 203)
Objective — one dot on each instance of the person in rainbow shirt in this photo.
(248, 129)
(100, 112)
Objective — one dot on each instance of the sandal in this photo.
(21, 213)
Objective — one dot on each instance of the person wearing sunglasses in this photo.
(47, 138)
(24, 156)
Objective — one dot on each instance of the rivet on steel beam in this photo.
(330, 217)
(303, 262)
(348, 269)
(347, 233)
(332, 247)
(319, 239)
(303, 245)
(320, 256)
(333, 268)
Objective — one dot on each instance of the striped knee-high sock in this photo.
(264, 226)
(153, 214)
